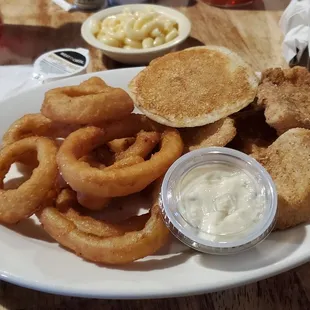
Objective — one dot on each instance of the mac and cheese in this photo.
(139, 30)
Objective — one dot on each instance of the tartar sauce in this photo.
(221, 201)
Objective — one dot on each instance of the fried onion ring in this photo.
(93, 202)
(93, 101)
(101, 157)
(102, 243)
(35, 125)
(120, 145)
(26, 199)
(126, 155)
(68, 205)
(98, 203)
(104, 155)
(115, 182)
(144, 144)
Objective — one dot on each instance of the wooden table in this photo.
(34, 26)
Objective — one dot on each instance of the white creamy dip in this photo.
(221, 201)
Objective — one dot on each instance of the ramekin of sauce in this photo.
(218, 200)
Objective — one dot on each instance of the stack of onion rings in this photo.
(116, 182)
(104, 152)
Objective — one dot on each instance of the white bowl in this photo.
(137, 56)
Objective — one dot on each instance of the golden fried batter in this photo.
(285, 94)
(216, 134)
(288, 162)
(90, 102)
(253, 133)
(121, 145)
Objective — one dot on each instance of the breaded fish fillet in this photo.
(288, 162)
(217, 134)
(253, 133)
(285, 94)
(194, 87)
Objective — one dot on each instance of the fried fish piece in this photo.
(285, 94)
(288, 162)
(217, 134)
(253, 133)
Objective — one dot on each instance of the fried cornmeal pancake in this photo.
(217, 134)
(288, 162)
(194, 87)
(285, 94)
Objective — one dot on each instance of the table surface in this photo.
(32, 27)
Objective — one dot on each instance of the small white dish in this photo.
(219, 243)
(137, 56)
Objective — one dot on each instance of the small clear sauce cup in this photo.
(191, 236)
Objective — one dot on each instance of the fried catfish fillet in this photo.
(253, 133)
(285, 94)
(216, 134)
(288, 162)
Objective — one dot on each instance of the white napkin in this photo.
(295, 25)
(64, 4)
(14, 79)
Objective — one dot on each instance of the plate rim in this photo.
(278, 267)
(158, 294)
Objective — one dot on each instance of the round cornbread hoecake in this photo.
(194, 87)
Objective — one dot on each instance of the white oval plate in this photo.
(31, 259)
